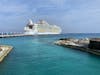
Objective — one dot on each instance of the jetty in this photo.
(4, 50)
(11, 35)
(90, 45)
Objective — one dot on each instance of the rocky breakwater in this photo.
(4, 50)
(78, 44)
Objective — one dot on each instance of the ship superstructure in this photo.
(41, 28)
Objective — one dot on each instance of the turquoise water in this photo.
(37, 55)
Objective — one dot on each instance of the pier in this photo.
(11, 34)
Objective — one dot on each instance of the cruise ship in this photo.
(41, 28)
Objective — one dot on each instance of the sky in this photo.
(73, 16)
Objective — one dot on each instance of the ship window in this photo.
(30, 27)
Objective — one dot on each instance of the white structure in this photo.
(41, 28)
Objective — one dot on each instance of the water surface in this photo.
(37, 55)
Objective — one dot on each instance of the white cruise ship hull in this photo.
(45, 33)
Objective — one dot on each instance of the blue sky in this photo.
(79, 16)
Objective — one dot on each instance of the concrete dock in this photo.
(4, 50)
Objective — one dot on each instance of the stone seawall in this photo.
(4, 51)
(77, 44)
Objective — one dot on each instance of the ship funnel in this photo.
(30, 22)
